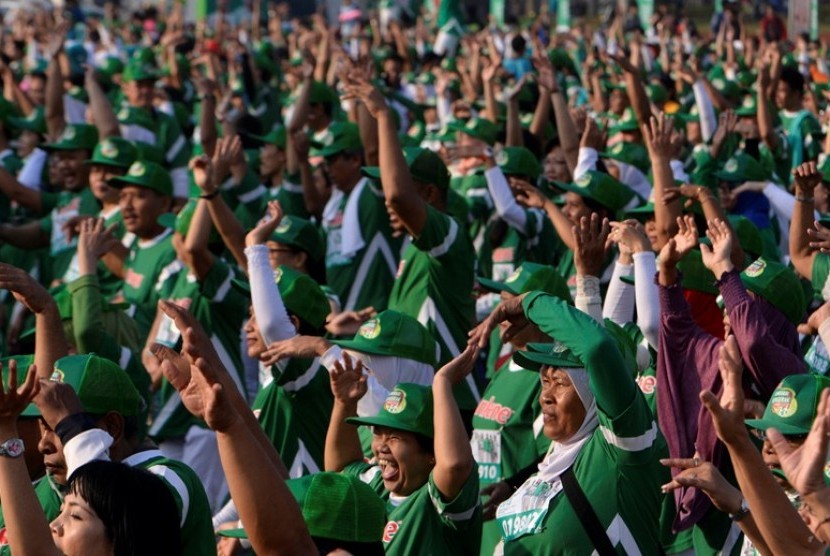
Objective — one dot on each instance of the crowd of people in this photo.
(400, 284)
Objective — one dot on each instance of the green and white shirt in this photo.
(149, 265)
(435, 285)
(294, 410)
(617, 468)
(221, 310)
(423, 523)
(364, 278)
(68, 205)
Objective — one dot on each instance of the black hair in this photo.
(425, 443)
(136, 507)
(793, 78)
(327, 546)
(518, 44)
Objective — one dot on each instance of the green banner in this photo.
(563, 15)
(497, 11)
(646, 10)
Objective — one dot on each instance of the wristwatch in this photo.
(742, 512)
(12, 448)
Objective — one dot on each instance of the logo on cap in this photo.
(57, 376)
(138, 169)
(68, 134)
(783, 402)
(515, 276)
(558, 347)
(109, 149)
(471, 124)
(731, 165)
(618, 148)
(749, 102)
(501, 158)
(395, 401)
(123, 114)
(370, 329)
(584, 181)
(719, 83)
(284, 226)
(756, 269)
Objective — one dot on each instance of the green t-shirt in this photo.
(617, 468)
(149, 265)
(290, 195)
(109, 282)
(424, 523)
(364, 279)
(803, 137)
(435, 285)
(505, 248)
(196, 524)
(294, 411)
(221, 311)
(12, 164)
(68, 206)
(821, 277)
(156, 128)
(50, 497)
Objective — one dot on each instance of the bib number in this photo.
(486, 445)
(525, 511)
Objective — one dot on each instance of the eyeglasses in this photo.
(791, 438)
(281, 250)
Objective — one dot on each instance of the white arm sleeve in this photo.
(506, 206)
(679, 171)
(372, 402)
(91, 445)
(708, 121)
(588, 298)
(586, 160)
(271, 316)
(227, 514)
(619, 303)
(645, 291)
(824, 332)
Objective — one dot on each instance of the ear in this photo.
(113, 423)
(295, 321)
(301, 258)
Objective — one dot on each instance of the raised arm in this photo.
(807, 177)
(766, 126)
(398, 186)
(453, 456)
(103, 116)
(55, 120)
(658, 135)
(568, 136)
(24, 196)
(198, 257)
(348, 384)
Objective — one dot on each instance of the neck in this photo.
(349, 184)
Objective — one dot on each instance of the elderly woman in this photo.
(605, 441)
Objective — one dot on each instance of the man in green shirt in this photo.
(361, 252)
(146, 192)
(435, 278)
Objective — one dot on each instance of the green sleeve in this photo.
(439, 233)
(462, 511)
(610, 381)
(176, 151)
(87, 320)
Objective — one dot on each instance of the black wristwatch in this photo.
(742, 512)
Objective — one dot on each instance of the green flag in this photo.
(563, 15)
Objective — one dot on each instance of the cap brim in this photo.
(533, 361)
(493, 286)
(763, 424)
(724, 176)
(627, 279)
(233, 533)
(384, 420)
(371, 172)
(107, 163)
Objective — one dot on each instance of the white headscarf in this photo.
(383, 373)
(561, 455)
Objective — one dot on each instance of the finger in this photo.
(12, 376)
(178, 378)
(681, 463)
(31, 386)
(711, 403)
(779, 443)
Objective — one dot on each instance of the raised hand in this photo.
(348, 381)
(706, 477)
(57, 401)
(546, 75)
(201, 167)
(57, 39)
(528, 195)
(717, 258)
(591, 236)
(25, 289)
(347, 323)
(94, 240)
(592, 137)
(14, 398)
(820, 237)
(358, 87)
(679, 246)
(510, 310)
(456, 370)
(658, 137)
(225, 155)
(263, 230)
(807, 177)
(630, 237)
(298, 346)
(728, 413)
(692, 193)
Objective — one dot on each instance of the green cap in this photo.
(657, 94)
(342, 136)
(322, 93)
(480, 128)
(424, 165)
(748, 234)
(110, 67)
(138, 70)
(75, 137)
(749, 106)
(531, 277)
(792, 407)
(114, 151)
(519, 161)
(339, 507)
(627, 122)
(180, 222)
(633, 154)
(101, 385)
(555, 355)
(302, 296)
(23, 364)
(695, 274)
(602, 188)
(408, 407)
(148, 175)
(394, 334)
(690, 115)
(727, 88)
(779, 285)
(642, 212)
(824, 168)
(302, 234)
(277, 137)
(36, 121)
(740, 168)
